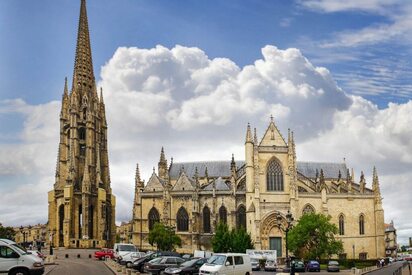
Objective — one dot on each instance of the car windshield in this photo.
(127, 248)
(269, 262)
(156, 260)
(217, 260)
(333, 263)
(189, 263)
(19, 249)
(313, 262)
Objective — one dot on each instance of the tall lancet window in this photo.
(154, 217)
(182, 220)
(361, 224)
(341, 224)
(223, 214)
(241, 217)
(274, 176)
(206, 220)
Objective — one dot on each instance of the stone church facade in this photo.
(81, 204)
(193, 197)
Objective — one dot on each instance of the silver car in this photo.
(271, 265)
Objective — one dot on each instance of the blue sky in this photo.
(336, 72)
(40, 42)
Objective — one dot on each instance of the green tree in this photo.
(7, 232)
(240, 240)
(237, 240)
(221, 241)
(313, 237)
(164, 237)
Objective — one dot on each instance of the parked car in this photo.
(139, 263)
(333, 266)
(299, 266)
(157, 265)
(37, 253)
(229, 263)
(255, 264)
(270, 265)
(313, 266)
(123, 248)
(104, 253)
(190, 267)
(129, 258)
(15, 260)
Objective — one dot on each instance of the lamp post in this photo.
(289, 220)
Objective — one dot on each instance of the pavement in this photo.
(78, 262)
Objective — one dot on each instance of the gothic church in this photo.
(193, 197)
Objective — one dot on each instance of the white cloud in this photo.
(198, 109)
(350, 5)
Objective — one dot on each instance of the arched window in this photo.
(223, 214)
(308, 209)
(341, 224)
(361, 225)
(274, 176)
(82, 133)
(182, 220)
(241, 217)
(206, 220)
(153, 217)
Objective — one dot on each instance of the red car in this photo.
(104, 253)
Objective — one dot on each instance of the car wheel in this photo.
(129, 264)
(19, 272)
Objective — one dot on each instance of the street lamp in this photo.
(281, 226)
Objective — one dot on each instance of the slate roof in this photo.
(220, 185)
(330, 170)
(217, 169)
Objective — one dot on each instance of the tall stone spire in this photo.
(162, 166)
(83, 74)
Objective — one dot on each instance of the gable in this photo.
(184, 183)
(273, 137)
(154, 184)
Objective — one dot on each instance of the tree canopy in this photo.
(313, 237)
(7, 232)
(237, 240)
(164, 237)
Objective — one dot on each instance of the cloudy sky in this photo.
(189, 75)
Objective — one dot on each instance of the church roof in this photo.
(330, 169)
(220, 184)
(217, 169)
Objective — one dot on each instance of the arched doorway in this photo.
(271, 236)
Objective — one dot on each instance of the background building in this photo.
(193, 197)
(391, 245)
(36, 234)
(124, 232)
(81, 204)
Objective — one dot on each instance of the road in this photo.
(322, 272)
(390, 269)
(77, 266)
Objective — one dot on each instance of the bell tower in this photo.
(81, 204)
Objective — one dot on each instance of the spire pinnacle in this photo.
(248, 134)
(375, 186)
(66, 90)
(137, 176)
(101, 95)
(83, 65)
(162, 155)
(255, 137)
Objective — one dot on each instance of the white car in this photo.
(129, 258)
(229, 263)
(15, 259)
(121, 249)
